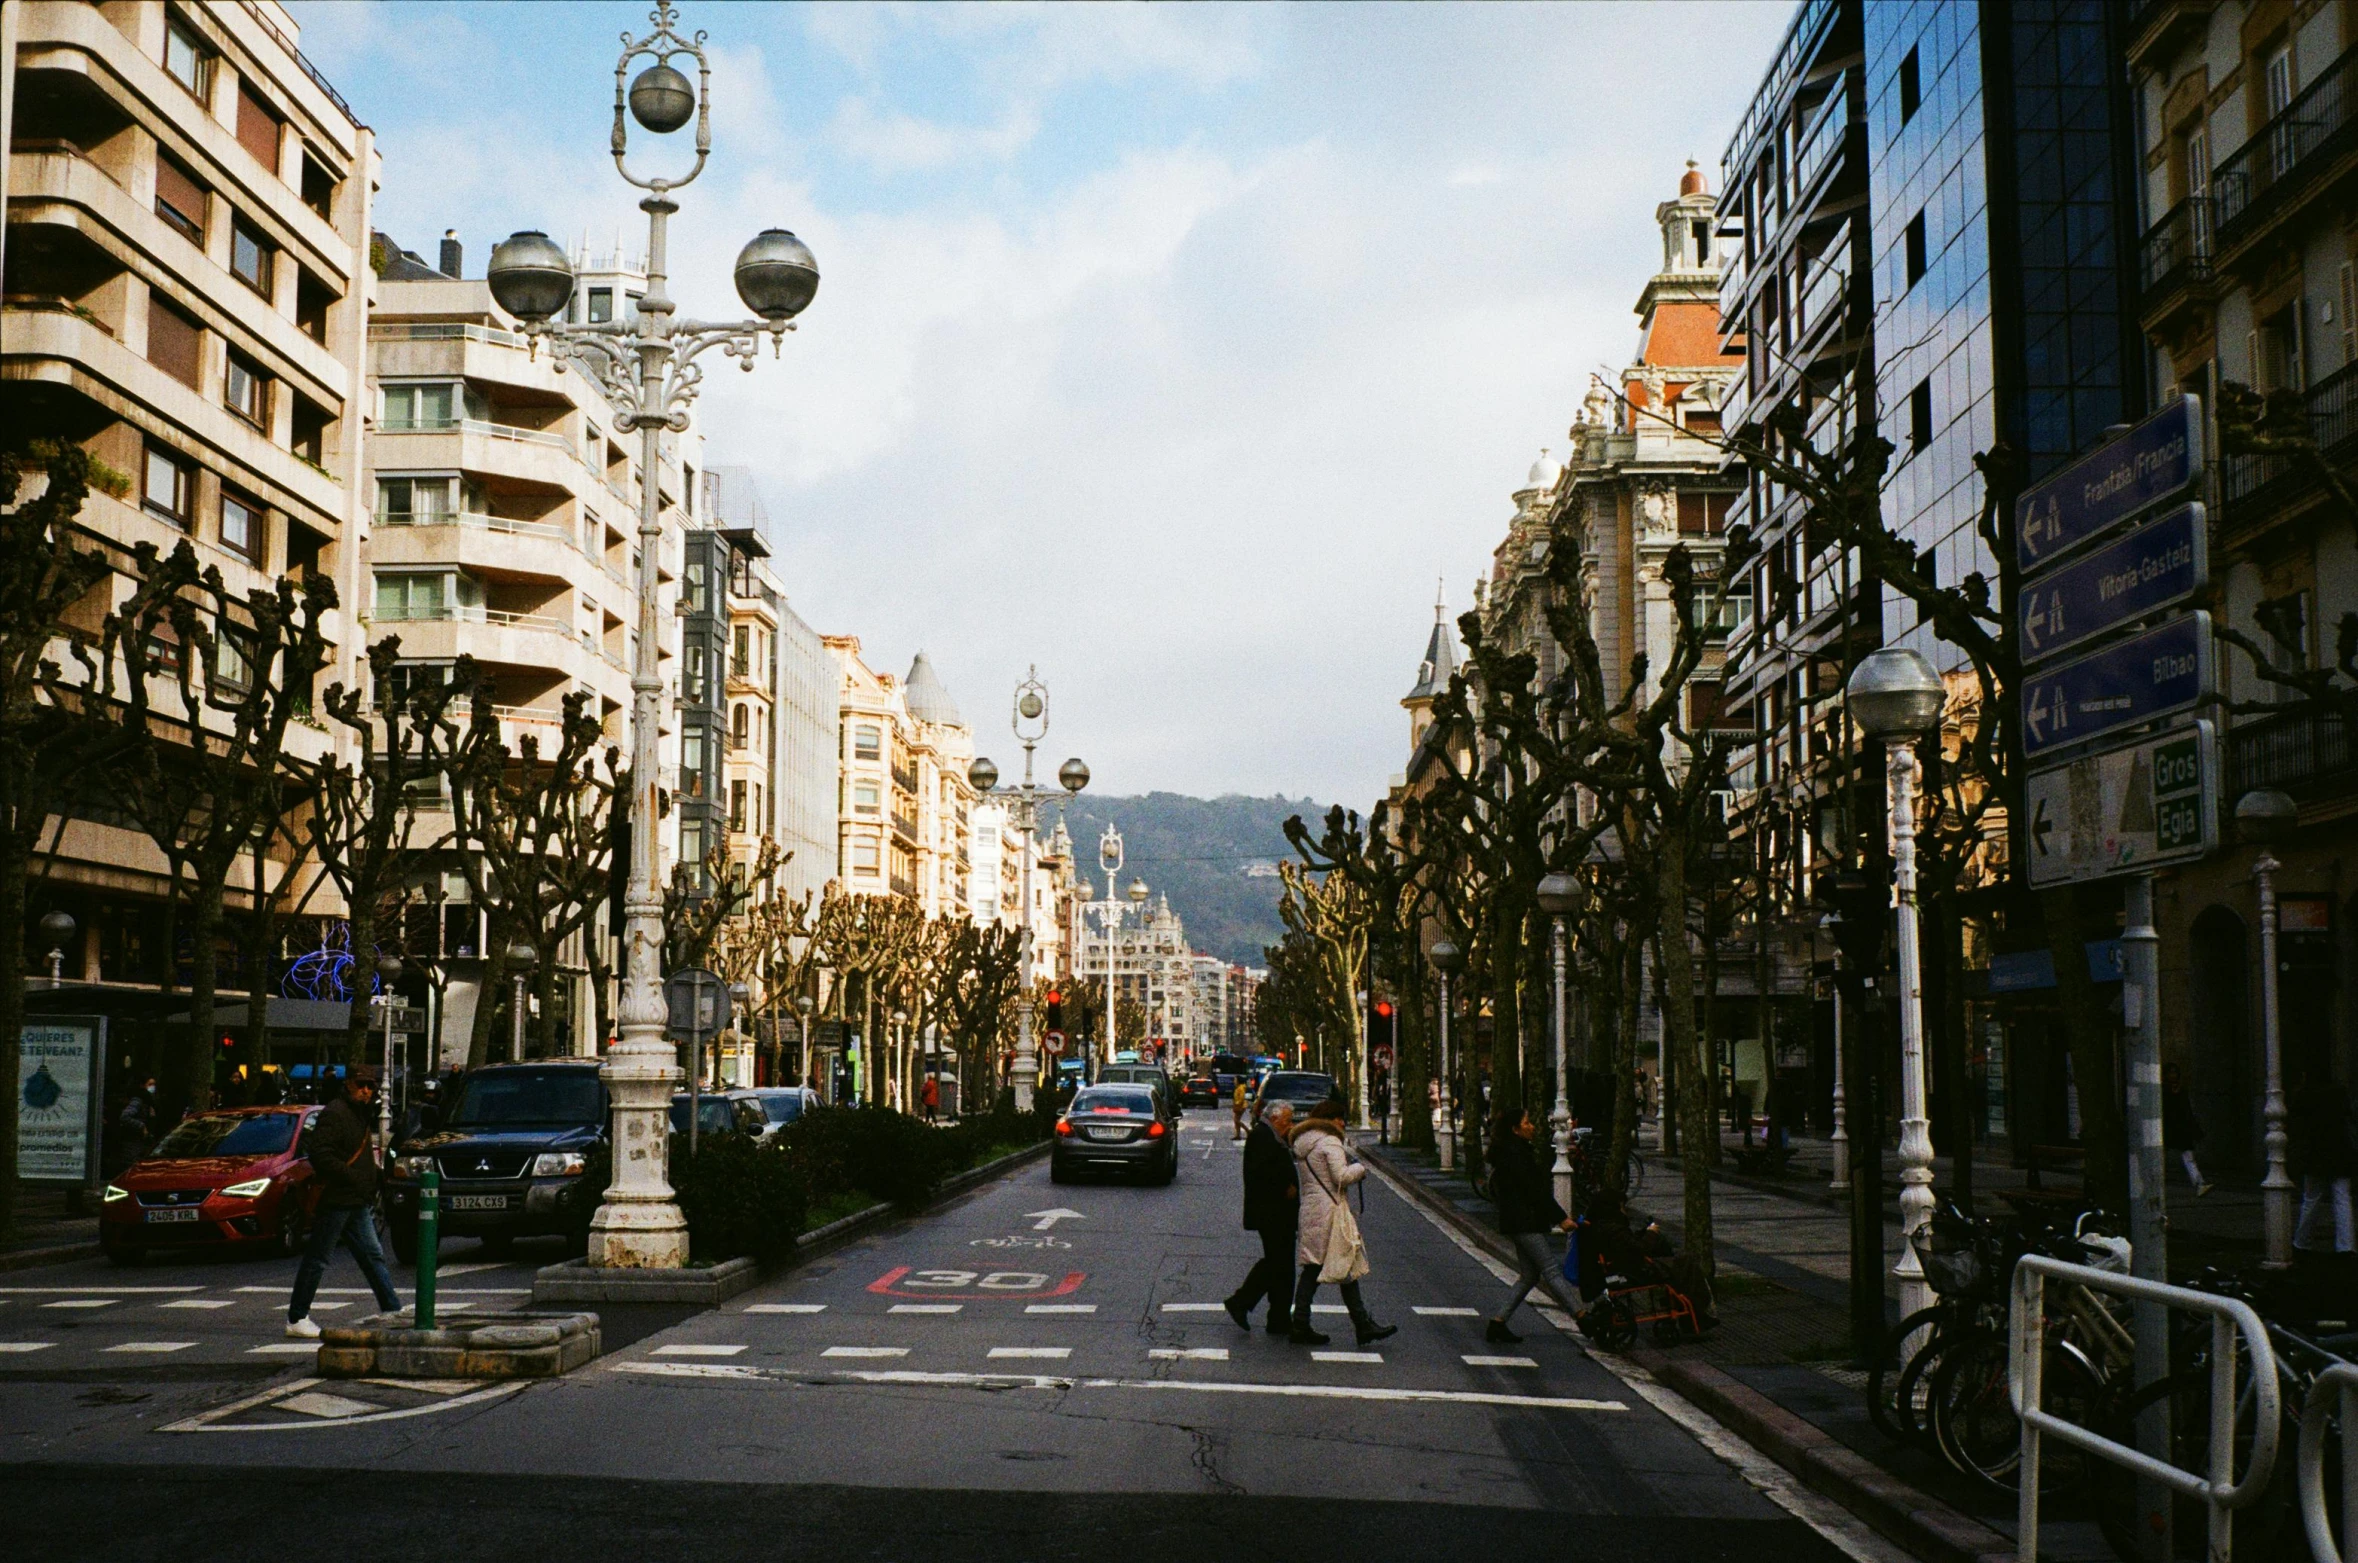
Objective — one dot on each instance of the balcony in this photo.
(2255, 487)
(2157, 27)
(2305, 753)
(2174, 259)
(1821, 148)
(2293, 154)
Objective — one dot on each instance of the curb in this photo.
(64, 1253)
(1912, 1519)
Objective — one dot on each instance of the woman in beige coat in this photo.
(1326, 1168)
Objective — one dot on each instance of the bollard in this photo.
(429, 1241)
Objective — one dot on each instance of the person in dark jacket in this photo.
(2181, 1130)
(2323, 1157)
(1527, 1212)
(1273, 1208)
(343, 1163)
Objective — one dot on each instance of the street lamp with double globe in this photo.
(647, 366)
(1895, 696)
(1559, 897)
(2263, 819)
(1446, 958)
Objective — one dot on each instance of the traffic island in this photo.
(497, 1346)
(579, 1281)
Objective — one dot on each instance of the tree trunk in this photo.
(1862, 1071)
(1944, 1013)
(1717, 1098)
(196, 1089)
(489, 996)
(1412, 1067)
(13, 868)
(1696, 1262)
(2093, 1035)
(1507, 965)
(1615, 1017)
(263, 926)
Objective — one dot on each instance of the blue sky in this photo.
(1176, 349)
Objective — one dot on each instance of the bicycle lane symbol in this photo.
(1013, 1285)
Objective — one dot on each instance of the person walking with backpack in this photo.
(1327, 1243)
(1527, 1212)
(346, 1212)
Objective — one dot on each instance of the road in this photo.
(987, 1381)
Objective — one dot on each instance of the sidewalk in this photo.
(1783, 1249)
(45, 1233)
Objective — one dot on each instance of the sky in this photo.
(1180, 351)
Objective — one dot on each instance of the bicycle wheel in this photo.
(2270, 1524)
(1634, 1178)
(1975, 1427)
(1885, 1377)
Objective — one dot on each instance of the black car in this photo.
(1304, 1088)
(1201, 1091)
(1153, 1076)
(509, 1148)
(1114, 1128)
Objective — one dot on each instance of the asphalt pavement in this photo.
(1031, 1371)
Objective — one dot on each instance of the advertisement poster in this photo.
(56, 1072)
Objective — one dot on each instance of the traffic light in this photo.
(1055, 1010)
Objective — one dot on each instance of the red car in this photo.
(237, 1177)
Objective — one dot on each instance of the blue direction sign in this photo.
(2148, 464)
(2163, 670)
(2154, 567)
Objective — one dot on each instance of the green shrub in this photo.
(739, 1198)
(873, 1150)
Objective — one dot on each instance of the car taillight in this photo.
(1154, 1131)
(1064, 1126)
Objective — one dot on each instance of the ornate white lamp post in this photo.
(1023, 805)
(647, 366)
(2264, 819)
(1446, 958)
(1559, 897)
(58, 929)
(1895, 696)
(522, 958)
(389, 969)
(803, 1005)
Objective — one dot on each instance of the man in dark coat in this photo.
(1272, 1206)
(343, 1163)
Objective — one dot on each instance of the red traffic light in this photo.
(1383, 1009)
(1055, 997)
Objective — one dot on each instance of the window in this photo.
(2197, 152)
(692, 760)
(2276, 76)
(1703, 515)
(740, 726)
(180, 199)
(863, 856)
(737, 805)
(319, 186)
(250, 256)
(313, 299)
(170, 487)
(175, 343)
(2285, 622)
(307, 431)
(741, 652)
(186, 59)
(601, 305)
(245, 390)
(1915, 249)
(867, 743)
(242, 525)
(413, 407)
(1920, 416)
(865, 798)
(257, 127)
(413, 501)
(232, 668)
(1911, 87)
(694, 684)
(410, 596)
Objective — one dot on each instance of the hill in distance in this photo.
(1216, 858)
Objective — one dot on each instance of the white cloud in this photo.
(900, 143)
(1477, 174)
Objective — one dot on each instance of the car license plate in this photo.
(477, 1202)
(1099, 1133)
(189, 1213)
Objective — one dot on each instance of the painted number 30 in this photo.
(956, 1280)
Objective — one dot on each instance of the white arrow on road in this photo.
(1049, 1218)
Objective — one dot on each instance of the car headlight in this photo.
(112, 1194)
(559, 1164)
(410, 1166)
(248, 1189)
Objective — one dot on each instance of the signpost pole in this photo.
(2148, 1232)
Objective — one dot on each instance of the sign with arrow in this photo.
(1049, 1218)
(2125, 810)
(2157, 566)
(2145, 466)
(1053, 1041)
(2164, 670)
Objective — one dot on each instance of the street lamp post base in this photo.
(638, 1237)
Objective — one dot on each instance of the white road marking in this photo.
(1838, 1525)
(443, 1272)
(1193, 1307)
(21, 1346)
(202, 1302)
(1457, 1397)
(865, 1351)
(153, 1347)
(320, 1404)
(785, 1308)
(1189, 1354)
(698, 1351)
(111, 1291)
(926, 1308)
(1499, 1362)
(1447, 1313)
(281, 1349)
(210, 1421)
(320, 1307)
(1346, 1356)
(1328, 1308)
(1060, 1308)
(85, 1302)
(1032, 1353)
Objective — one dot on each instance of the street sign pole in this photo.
(2148, 1226)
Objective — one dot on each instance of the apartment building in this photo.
(504, 527)
(186, 265)
(2243, 154)
(906, 816)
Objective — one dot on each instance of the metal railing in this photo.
(446, 331)
(2232, 1320)
(2332, 406)
(2177, 249)
(2294, 752)
(476, 518)
(2333, 1392)
(2316, 125)
(1822, 144)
